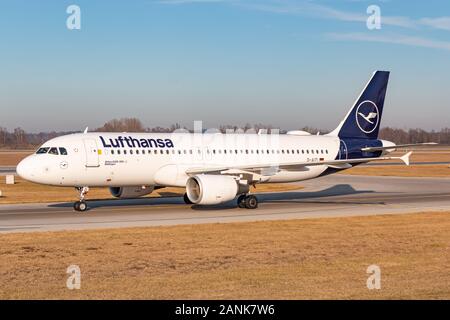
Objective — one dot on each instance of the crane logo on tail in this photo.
(367, 116)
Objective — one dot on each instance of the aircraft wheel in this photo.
(251, 202)
(186, 199)
(80, 206)
(241, 201)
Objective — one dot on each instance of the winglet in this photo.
(405, 158)
(86, 130)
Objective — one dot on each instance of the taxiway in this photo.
(330, 196)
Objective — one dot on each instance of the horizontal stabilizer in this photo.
(405, 158)
(371, 149)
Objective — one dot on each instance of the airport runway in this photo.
(331, 196)
(7, 169)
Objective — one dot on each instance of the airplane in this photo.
(213, 167)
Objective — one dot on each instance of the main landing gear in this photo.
(81, 205)
(247, 201)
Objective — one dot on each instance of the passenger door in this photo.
(90, 146)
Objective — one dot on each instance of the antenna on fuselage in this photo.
(86, 130)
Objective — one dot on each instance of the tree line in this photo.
(19, 139)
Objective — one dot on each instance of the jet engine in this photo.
(212, 189)
(130, 192)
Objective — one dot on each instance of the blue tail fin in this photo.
(363, 119)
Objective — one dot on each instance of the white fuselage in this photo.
(103, 159)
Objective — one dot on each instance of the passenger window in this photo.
(137, 151)
(131, 151)
(42, 150)
(124, 151)
(53, 151)
(118, 151)
(112, 151)
(326, 151)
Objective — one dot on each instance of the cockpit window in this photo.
(42, 150)
(63, 151)
(53, 151)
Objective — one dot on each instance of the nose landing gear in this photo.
(81, 205)
(247, 201)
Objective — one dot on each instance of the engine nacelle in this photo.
(130, 192)
(211, 189)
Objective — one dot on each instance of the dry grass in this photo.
(296, 259)
(13, 157)
(28, 192)
(402, 171)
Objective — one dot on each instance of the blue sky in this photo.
(281, 62)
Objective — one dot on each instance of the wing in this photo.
(273, 168)
(370, 149)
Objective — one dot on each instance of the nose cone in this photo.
(25, 168)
